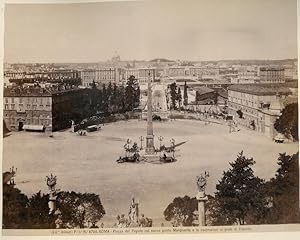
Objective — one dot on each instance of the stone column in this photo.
(201, 208)
(201, 196)
(150, 137)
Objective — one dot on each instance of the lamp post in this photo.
(141, 139)
(173, 146)
(160, 138)
(127, 145)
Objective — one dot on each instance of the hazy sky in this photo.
(188, 30)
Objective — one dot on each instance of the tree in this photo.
(287, 123)
(213, 215)
(121, 99)
(185, 95)
(94, 97)
(78, 210)
(100, 100)
(179, 97)
(38, 212)
(104, 99)
(14, 207)
(239, 194)
(132, 93)
(109, 92)
(137, 96)
(93, 85)
(114, 98)
(181, 211)
(283, 190)
(173, 94)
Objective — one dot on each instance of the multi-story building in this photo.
(290, 72)
(43, 108)
(70, 77)
(271, 75)
(131, 72)
(245, 74)
(145, 73)
(210, 72)
(141, 74)
(179, 71)
(100, 76)
(228, 74)
(196, 72)
(257, 106)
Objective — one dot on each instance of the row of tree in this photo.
(243, 198)
(115, 99)
(77, 210)
(175, 96)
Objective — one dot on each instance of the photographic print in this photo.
(131, 117)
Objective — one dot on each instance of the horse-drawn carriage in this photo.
(133, 159)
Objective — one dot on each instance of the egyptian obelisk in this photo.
(150, 137)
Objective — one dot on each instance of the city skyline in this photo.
(201, 31)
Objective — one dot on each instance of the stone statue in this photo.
(72, 126)
(201, 181)
(201, 197)
(121, 221)
(133, 212)
(51, 183)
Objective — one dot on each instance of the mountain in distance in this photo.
(161, 60)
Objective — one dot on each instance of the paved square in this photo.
(88, 163)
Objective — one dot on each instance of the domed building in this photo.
(116, 57)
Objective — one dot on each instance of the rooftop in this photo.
(271, 69)
(32, 91)
(261, 89)
(203, 90)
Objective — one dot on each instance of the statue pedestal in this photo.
(150, 150)
(202, 198)
(151, 157)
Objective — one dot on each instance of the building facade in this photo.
(50, 108)
(271, 75)
(141, 74)
(257, 106)
(100, 76)
(66, 76)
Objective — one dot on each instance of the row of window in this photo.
(35, 121)
(28, 100)
(29, 115)
(244, 109)
(21, 107)
(99, 78)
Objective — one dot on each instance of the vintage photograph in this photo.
(171, 115)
